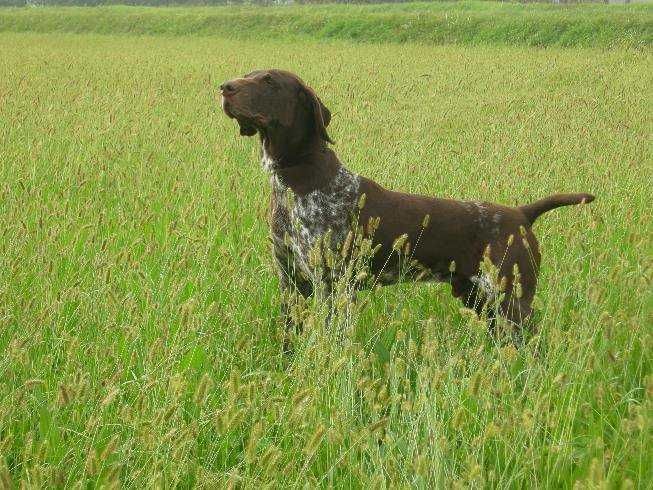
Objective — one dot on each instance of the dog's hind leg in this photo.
(468, 292)
(517, 312)
(476, 298)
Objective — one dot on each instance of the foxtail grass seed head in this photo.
(596, 471)
(109, 449)
(300, 399)
(378, 425)
(91, 463)
(314, 441)
(269, 458)
(231, 420)
(234, 383)
(339, 364)
(32, 383)
(359, 235)
(65, 395)
(315, 257)
(509, 353)
(527, 420)
(407, 406)
(423, 274)
(361, 276)
(517, 290)
(372, 225)
(426, 220)
(113, 477)
(203, 388)
(511, 239)
(342, 302)
(421, 465)
(412, 348)
(458, 418)
(627, 484)
(252, 443)
(364, 248)
(515, 270)
(383, 395)
(347, 244)
(467, 313)
(361, 200)
(522, 230)
(329, 258)
(327, 238)
(169, 412)
(452, 266)
(399, 242)
(491, 430)
(400, 366)
(110, 396)
(473, 470)
(474, 384)
(234, 479)
(6, 481)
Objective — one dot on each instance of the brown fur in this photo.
(291, 122)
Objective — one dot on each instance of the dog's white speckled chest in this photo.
(298, 221)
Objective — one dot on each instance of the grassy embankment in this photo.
(469, 22)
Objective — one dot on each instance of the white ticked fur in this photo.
(486, 286)
(305, 219)
(267, 162)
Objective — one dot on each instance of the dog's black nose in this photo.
(227, 88)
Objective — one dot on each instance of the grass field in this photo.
(139, 329)
(461, 22)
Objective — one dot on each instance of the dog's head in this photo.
(275, 100)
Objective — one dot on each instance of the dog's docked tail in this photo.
(534, 210)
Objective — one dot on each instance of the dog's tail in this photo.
(534, 210)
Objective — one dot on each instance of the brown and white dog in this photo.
(291, 122)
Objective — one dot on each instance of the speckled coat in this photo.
(291, 122)
(458, 232)
(450, 248)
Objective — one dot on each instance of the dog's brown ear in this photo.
(321, 114)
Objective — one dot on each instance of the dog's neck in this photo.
(308, 168)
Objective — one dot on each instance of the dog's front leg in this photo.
(289, 294)
(291, 285)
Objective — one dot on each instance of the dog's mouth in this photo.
(246, 124)
(246, 129)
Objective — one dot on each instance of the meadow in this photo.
(139, 307)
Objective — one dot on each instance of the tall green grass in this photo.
(139, 313)
(468, 22)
